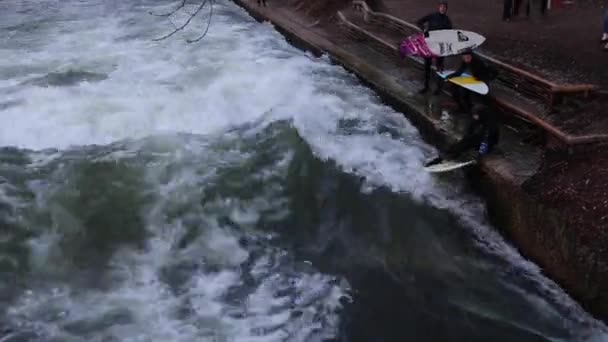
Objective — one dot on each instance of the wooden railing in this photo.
(514, 77)
(520, 79)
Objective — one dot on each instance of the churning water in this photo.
(236, 189)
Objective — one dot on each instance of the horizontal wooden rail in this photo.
(552, 86)
(564, 137)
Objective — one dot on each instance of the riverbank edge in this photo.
(540, 232)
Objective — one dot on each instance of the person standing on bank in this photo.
(535, 8)
(434, 21)
(510, 9)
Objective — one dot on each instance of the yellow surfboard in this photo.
(467, 81)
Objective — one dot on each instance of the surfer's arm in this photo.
(422, 21)
(456, 73)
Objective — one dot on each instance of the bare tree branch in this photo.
(179, 28)
(206, 29)
(182, 5)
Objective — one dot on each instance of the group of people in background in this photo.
(534, 8)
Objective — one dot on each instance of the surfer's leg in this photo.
(427, 74)
(463, 98)
(493, 138)
(466, 98)
(534, 9)
(516, 7)
(457, 93)
(439, 62)
(470, 141)
(543, 7)
(458, 148)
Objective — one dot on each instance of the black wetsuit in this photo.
(478, 69)
(434, 21)
(482, 135)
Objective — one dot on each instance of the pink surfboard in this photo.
(415, 45)
(440, 43)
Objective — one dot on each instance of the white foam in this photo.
(151, 87)
(150, 306)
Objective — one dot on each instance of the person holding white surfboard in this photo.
(478, 69)
(432, 22)
(482, 135)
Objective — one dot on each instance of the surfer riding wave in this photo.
(482, 135)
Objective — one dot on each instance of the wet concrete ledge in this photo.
(540, 232)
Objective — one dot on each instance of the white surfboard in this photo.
(452, 42)
(448, 165)
(467, 81)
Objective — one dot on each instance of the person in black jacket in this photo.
(507, 11)
(482, 135)
(476, 68)
(434, 21)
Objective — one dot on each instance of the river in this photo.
(236, 189)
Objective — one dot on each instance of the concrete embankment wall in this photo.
(547, 237)
(541, 233)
